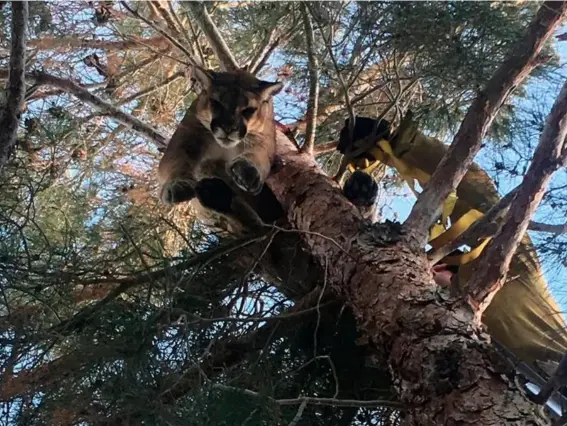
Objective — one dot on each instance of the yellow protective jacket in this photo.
(523, 315)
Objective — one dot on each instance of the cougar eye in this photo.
(248, 112)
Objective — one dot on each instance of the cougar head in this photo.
(233, 104)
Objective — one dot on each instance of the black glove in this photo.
(363, 127)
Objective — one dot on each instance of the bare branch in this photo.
(69, 43)
(87, 97)
(152, 89)
(219, 46)
(263, 54)
(334, 402)
(489, 276)
(168, 36)
(546, 227)
(329, 46)
(263, 48)
(16, 90)
(467, 142)
(313, 101)
(325, 148)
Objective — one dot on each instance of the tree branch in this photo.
(68, 43)
(467, 142)
(329, 46)
(333, 402)
(482, 228)
(16, 90)
(87, 97)
(325, 148)
(219, 46)
(490, 274)
(171, 39)
(313, 101)
(152, 89)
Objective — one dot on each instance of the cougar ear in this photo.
(269, 89)
(202, 76)
(245, 68)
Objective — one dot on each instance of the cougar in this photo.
(223, 149)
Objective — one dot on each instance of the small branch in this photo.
(263, 48)
(313, 101)
(262, 56)
(315, 401)
(152, 89)
(87, 97)
(325, 148)
(329, 46)
(10, 112)
(168, 36)
(166, 17)
(546, 227)
(69, 43)
(548, 157)
(224, 55)
(185, 32)
(467, 142)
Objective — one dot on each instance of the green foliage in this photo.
(113, 304)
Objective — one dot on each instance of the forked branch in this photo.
(548, 157)
(467, 142)
(219, 46)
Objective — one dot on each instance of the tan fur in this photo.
(209, 141)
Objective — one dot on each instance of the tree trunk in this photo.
(442, 366)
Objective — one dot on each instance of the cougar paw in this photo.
(361, 189)
(177, 192)
(246, 176)
(215, 194)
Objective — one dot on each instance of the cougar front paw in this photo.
(215, 194)
(177, 192)
(361, 189)
(246, 176)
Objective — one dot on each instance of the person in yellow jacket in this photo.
(523, 317)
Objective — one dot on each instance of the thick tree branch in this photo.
(87, 97)
(489, 275)
(405, 329)
(467, 142)
(313, 65)
(219, 46)
(11, 109)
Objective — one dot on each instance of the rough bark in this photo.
(548, 157)
(16, 88)
(442, 367)
(478, 118)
